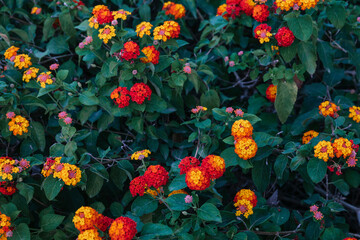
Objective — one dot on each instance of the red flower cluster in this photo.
(103, 222)
(121, 96)
(139, 92)
(236, 7)
(138, 186)
(214, 165)
(102, 14)
(284, 37)
(7, 188)
(271, 92)
(187, 163)
(123, 228)
(130, 51)
(261, 12)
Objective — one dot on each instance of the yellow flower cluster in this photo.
(241, 128)
(153, 193)
(181, 191)
(139, 155)
(285, 5)
(307, 4)
(121, 14)
(308, 136)
(67, 172)
(22, 61)
(354, 113)
(93, 23)
(342, 147)
(246, 148)
(107, 33)
(4, 226)
(328, 109)
(7, 168)
(29, 74)
(143, 29)
(44, 78)
(170, 29)
(324, 150)
(47, 170)
(11, 52)
(18, 125)
(85, 218)
(245, 200)
(90, 234)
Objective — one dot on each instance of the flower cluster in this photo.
(316, 213)
(308, 136)
(36, 10)
(5, 224)
(138, 186)
(18, 125)
(9, 166)
(123, 228)
(284, 37)
(342, 147)
(241, 128)
(177, 10)
(85, 42)
(245, 200)
(261, 13)
(67, 172)
(263, 33)
(44, 78)
(152, 55)
(91, 234)
(121, 96)
(236, 7)
(138, 93)
(271, 92)
(143, 29)
(187, 163)
(131, 50)
(214, 165)
(65, 117)
(106, 33)
(245, 146)
(324, 150)
(221, 11)
(122, 14)
(198, 109)
(354, 113)
(140, 155)
(22, 61)
(170, 29)
(7, 188)
(11, 53)
(29, 74)
(197, 178)
(329, 109)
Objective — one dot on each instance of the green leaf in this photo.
(62, 74)
(210, 99)
(301, 26)
(280, 215)
(50, 222)
(332, 234)
(57, 45)
(155, 230)
(288, 53)
(316, 169)
(280, 165)
(342, 186)
(307, 55)
(87, 98)
(177, 202)
(70, 148)
(337, 15)
(26, 191)
(324, 50)
(38, 135)
(178, 183)
(285, 99)
(261, 174)
(144, 205)
(296, 162)
(232, 159)
(94, 184)
(21, 232)
(67, 24)
(52, 186)
(208, 212)
(145, 13)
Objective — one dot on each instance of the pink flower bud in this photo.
(10, 115)
(187, 69)
(188, 199)
(226, 59)
(88, 40)
(156, 42)
(231, 63)
(134, 72)
(81, 45)
(114, 22)
(229, 110)
(54, 66)
(240, 53)
(358, 19)
(68, 120)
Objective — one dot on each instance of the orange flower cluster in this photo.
(329, 109)
(18, 125)
(131, 50)
(121, 96)
(139, 92)
(245, 146)
(11, 53)
(187, 163)
(261, 13)
(177, 10)
(152, 55)
(284, 37)
(236, 7)
(7, 188)
(22, 61)
(91, 234)
(123, 228)
(308, 136)
(241, 128)
(354, 113)
(245, 200)
(69, 173)
(342, 147)
(143, 29)
(10, 166)
(221, 11)
(197, 178)
(102, 14)
(5, 224)
(170, 29)
(271, 92)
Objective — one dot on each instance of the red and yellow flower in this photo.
(131, 50)
(170, 29)
(324, 150)
(284, 37)
(93, 23)
(85, 218)
(139, 92)
(102, 14)
(90, 234)
(271, 92)
(69, 173)
(241, 128)
(18, 125)
(4, 226)
(121, 14)
(214, 166)
(187, 163)
(247, 6)
(246, 148)
(29, 74)
(156, 176)
(354, 113)
(261, 13)
(44, 79)
(139, 155)
(329, 109)
(197, 178)
(8, 168)
(143, 29)
(11, 52)
(285, 5)
(121, 96)
(152, 55)
(342, 147)
(263, 33)
(245, 200)
(123, 228)
(177, 10)
(221, 11)
(107, 33)
(22, 61)
(103, 222)
(308, 136)
(47, 168)
(7, 188)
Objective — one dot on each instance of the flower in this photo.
(11, 52)
(284, 37)
(152, 55)
(188, 162)
(143, 29)
(139, 155)
(246, 148)
(7, 188)
(173, 27)
(221, 10)
(122, 228)
(68, 120)
(85, 218)
(262, 32)
(138, 186)
(243, 207)
(5, 224)
(342, 147)
(177, 10)
(187, 69)
(156, 176)
(233, 8)
(62, 115)
(81, 45)
(90, 234)
(121, 14)
(314, 208)
(36, 10)
(197, 178)
(247, 6)
(7, 168)
(161, 33)
(107, 33)
(214, 165)
(231, 63)
(271, 92)
(226, 59)
(229, 109)
(180, 191)
(130, 51)
(18, 125)
(29, 74)
(22, 61)
(44, 78)
(261, 13)
(354, 113)
(318, 215)
(121, 96)
(188, 199)
(324, 150)
(54, 66)
(328, 109)
(240, 53)
(93, 23)
(238, 112)
(102, 14)
(152, 193)
(307, 4)
(285, 4)
(308, 136)
(69, 173)
(349, 238)
(241, 128)
(198, 109)
(139, 92)
(351, 161)
(47, 168)
(134, 72)
(114, 22)
(246, 194)
(10, 115)
(103, 222)
(88, 40)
